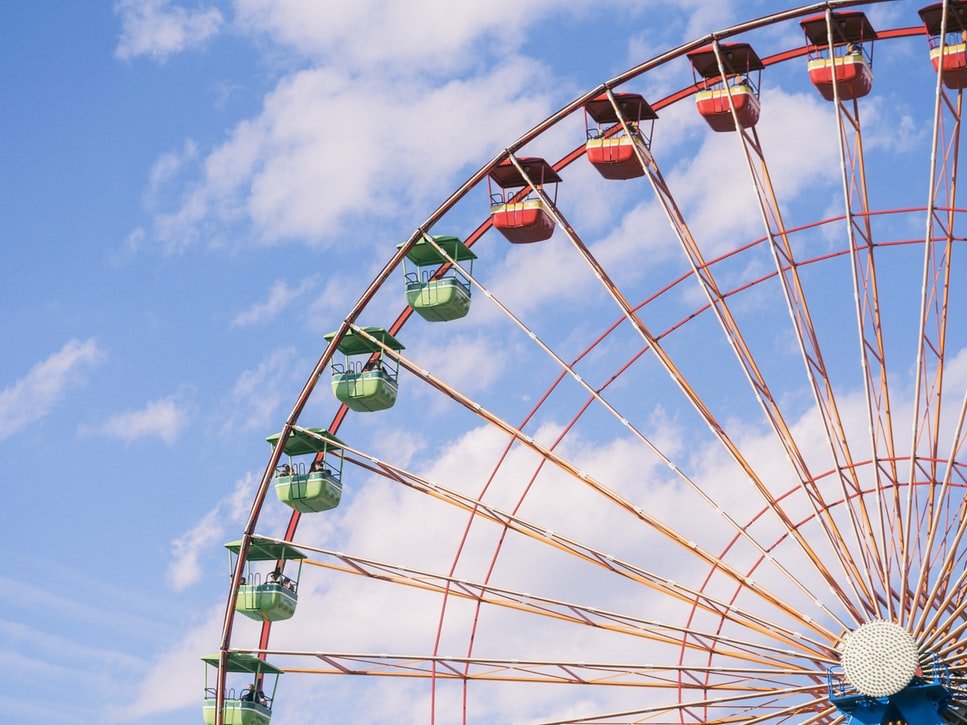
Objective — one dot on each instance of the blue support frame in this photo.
(922, 702)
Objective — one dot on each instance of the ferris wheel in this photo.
(703, 464)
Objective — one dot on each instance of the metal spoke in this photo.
(932, 336)
(794, 294)
(717, 302)
(603, 559)
(942, 573)
(692, 485)
(691, 395)
(571, 612)
(679, 706)
(866, 295)
(746, 638)
(742, 679)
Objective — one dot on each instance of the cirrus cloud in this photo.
(164, 418)
(34, 395)
(159, 29)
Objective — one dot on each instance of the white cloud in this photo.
(387, 522)
(164, 418)
(716, 213)
(280, 296)
(169, 164)
(329, 303)
(37, 656)
(172, 682)
(160, 29)
(719, 213)
(50, 648)
(258, 393)
(128, 248)
(421, 36)
(291, 173)
(185, 567)
(465, 362)
(890, 126)
(34, 395)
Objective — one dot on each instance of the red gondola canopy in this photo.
(633, 107)
(848, 27)
(932, 15)
(506, 175)
(736, 58)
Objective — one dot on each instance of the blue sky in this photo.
(195, 192)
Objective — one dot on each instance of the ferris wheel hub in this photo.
(879, 658)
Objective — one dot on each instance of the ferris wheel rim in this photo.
(382, 278)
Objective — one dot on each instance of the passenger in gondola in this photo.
(253, 694)
(316, 466)
(273, 577)
(285, 470)
(855, 49)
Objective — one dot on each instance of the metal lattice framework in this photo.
(741, 620)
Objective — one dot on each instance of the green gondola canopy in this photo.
(300, 444)
(423, 254)
(260, 549)
(355, 344)
(239, 662)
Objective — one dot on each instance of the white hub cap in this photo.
(879, 658)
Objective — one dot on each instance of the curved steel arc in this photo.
(679, 379)
(947, 607)
(797, 581)
(395, 262)
(481, 173)
(659, 526)
(296, 411)
(654, 296)
(269, 471)
(614, 325)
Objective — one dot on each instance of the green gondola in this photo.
(320, 487)
(249, 705)
(438, 297)
(273, 597)
(366, 385)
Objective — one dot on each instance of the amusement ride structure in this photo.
(797, 554)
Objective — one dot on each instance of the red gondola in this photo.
(954, 71)
(853, 38)
(739, 62)
(522, 217)
(612, 151)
